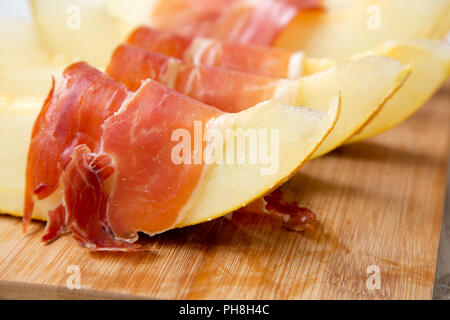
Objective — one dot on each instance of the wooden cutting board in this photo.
(379, 203)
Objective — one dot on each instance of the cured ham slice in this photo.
(295, 217)
(85, 201)
(71, 115)
(236, 21)
(229, 90)
(150, 192)
(258, 59)
(110, 152)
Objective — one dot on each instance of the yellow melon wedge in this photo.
(366, 85)
(222, 190)
(430, 61)
(430, 64)
(350, 27)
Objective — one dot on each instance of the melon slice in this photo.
(430, 63)
(351, 27)
(216, 200)
(366, 85)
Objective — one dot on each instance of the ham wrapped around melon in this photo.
(103, 163)
(108, 153)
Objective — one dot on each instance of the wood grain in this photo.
(379, 202)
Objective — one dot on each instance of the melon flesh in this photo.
(430, 61)
(78, 29)
(17, 115)
(26, 66)
(351, 27)
(366, 85)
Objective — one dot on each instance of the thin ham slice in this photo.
(85, 201)
(236, 21)
(109, 151)
(258, 59)
(71, 115)
(295, 217)
(150, 192)
(231, 91)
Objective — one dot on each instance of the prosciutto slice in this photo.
(229, 90)
(237, 21)
(109, 153)
(150, 191)
(258, 59)
(71, 115)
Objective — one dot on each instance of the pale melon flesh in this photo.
(351, 27)
(78, 29)
(430, 64)
(366, 85)
(430, 61)
(26, 66)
